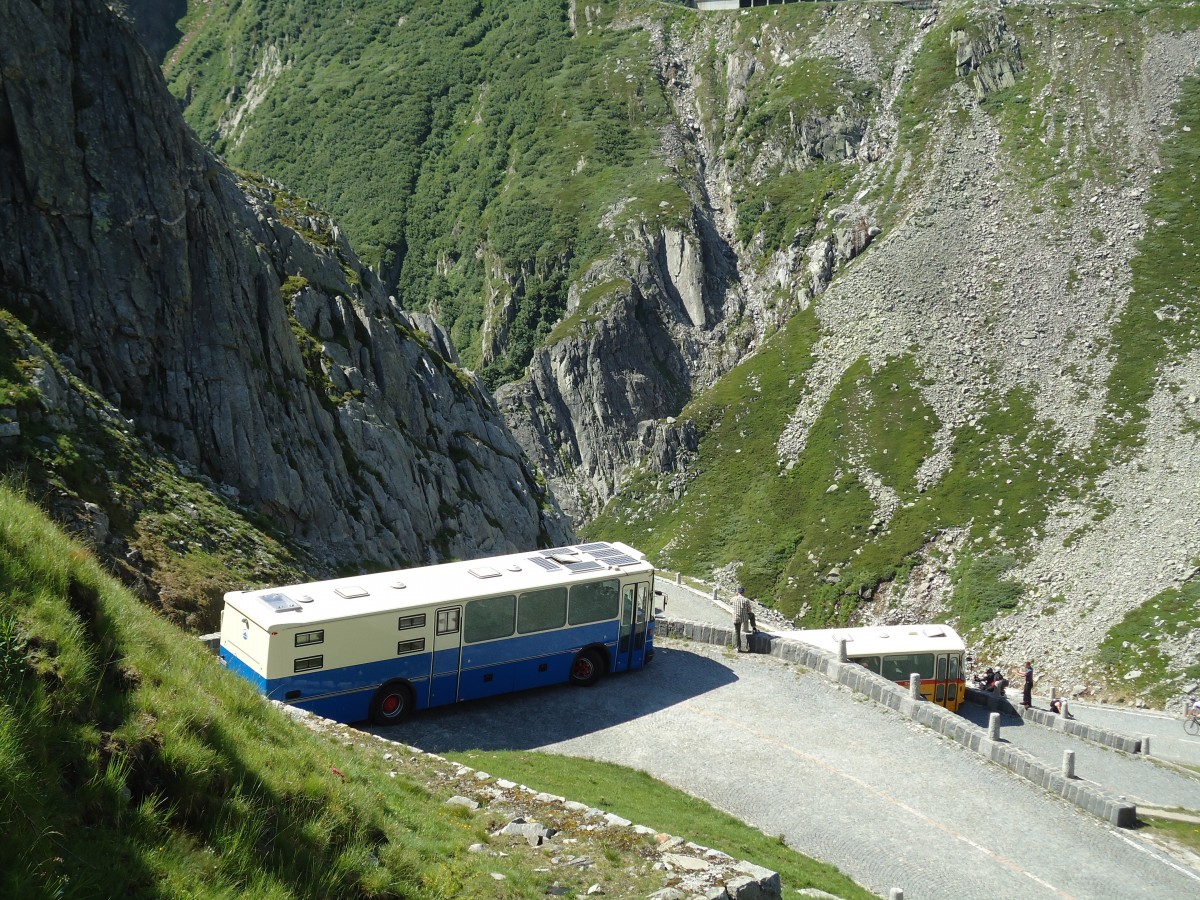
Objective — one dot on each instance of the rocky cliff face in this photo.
(1003, 259)
(229, 323)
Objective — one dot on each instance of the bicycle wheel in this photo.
(1191, 725)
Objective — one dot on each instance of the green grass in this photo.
(1185, 834)
(131, 763)
(1134, 645)
(640, 798)
(1166, 272)
(789, 527)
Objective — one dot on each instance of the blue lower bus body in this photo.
(496, 667)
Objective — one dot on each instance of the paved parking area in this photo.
(841, 778)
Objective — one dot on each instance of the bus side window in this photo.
(902, 665)
(595, 602)
(447, 620)
(870, 662)
(490, 618)
(541, 610)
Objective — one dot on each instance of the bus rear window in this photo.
(489, 618)
(901, 666)
(594, 602)
(542, 610)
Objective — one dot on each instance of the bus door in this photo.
(447, 652)
(952, 692)
(625, 639)
(939, 680)
(641, 618)
(635, 617)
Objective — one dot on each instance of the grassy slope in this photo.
(130, 762)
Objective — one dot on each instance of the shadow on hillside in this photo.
(532, 719)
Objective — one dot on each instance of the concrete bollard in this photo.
(896, 894)
(1068, 769)
(842, 654)
(714, 595)
(1053, 693)
(679, 578)
(914, 685)
(1146, 745)
(994, 726)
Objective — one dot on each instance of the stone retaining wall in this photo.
(1103, 736)
(1101, 803)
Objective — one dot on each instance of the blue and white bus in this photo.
(379, 646)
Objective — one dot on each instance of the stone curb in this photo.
(1100, 803)
(1103, 736)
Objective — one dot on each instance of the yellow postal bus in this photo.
(935, 652)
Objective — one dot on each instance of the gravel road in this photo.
(841, 778)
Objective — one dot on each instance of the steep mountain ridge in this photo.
(228, 323)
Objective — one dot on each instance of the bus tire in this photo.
(391, 703)
(586, 668)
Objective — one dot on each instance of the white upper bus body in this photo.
(883, 640)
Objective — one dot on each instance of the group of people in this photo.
(994, 682)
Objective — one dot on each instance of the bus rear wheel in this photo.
(586, 668)
(391, 703)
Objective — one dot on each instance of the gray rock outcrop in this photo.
(271, 361)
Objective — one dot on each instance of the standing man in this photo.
(1027, 692)
(743, 615)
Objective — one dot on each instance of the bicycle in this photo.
(1191, 718)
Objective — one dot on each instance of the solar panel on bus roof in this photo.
(547, 564)
(587, 566)
(605, 554)
(592, 548)
(620, 560)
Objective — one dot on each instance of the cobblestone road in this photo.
(841, 778)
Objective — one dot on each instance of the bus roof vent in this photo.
(399, 585)
(307, 598)
(351, 591)
(933, 631)
(485, 572)
(279, 602)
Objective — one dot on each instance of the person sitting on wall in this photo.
(1059, 706)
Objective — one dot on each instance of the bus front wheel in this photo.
(586, 668)
(391, 703)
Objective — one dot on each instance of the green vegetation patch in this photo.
(458, 143)
(809, 537)
(641, 798)
(1161, 322)
(785, 209)
(1133, 646)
